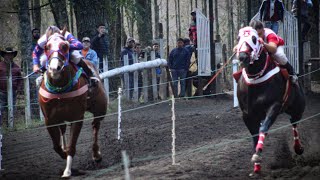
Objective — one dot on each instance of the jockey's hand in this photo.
(36, 68)
(260, 40)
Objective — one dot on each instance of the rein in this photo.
(72, 82)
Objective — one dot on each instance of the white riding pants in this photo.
(280, 57)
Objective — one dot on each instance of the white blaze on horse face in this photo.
(53, 68)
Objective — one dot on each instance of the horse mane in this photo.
(53, 29)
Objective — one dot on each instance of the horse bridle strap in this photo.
(71, 94)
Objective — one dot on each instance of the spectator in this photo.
(128, 50)
(272, 11)
(88, 53)
(305, 4)
(138, 51)
(35, 37)
(179, 61)
(17, 84)
(155, 47)
(193, 31)
(99, 44)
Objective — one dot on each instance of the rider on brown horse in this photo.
(274, 45)
(40, 59)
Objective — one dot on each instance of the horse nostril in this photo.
(58, 68)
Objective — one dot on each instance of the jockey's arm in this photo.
(36, 58)
(271, 47)
(75, 44)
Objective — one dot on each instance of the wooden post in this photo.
(106, 80)
(10, 96)
(145, 83)
(154, 78)
(126, 86)
(27, 102)
(219, 64)
(135, 81)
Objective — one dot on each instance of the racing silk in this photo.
(270, 36)
(75, 44)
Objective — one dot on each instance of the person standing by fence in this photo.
(272, 11)
(193, 32)
(88, 53)
(128, 50)
(99, 44)
(17, 83)
(179, 61)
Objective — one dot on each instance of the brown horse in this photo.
(64, 96)
(264, 93)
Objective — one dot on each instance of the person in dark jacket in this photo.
(305, 24)
(179, 61)
(272, 11)
(99, 44)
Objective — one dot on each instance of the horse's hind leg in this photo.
(96, 154)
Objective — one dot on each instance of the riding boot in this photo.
(293, 76)
(91, 78)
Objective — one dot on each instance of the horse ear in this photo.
(64, 30)
(49, 32)
(254, 40)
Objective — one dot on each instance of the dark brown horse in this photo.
(264, 93)
(64, 96)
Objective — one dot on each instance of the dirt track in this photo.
(212, 143)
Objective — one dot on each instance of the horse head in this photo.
(250, 50)
(57, 52)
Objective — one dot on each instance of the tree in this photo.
(144, 21)
(59, 11)
(36, 14)
(24, 33)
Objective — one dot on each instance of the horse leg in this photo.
(63, 137)
(55, 136)
(71, 149)
(96, 154)
(271, 116)
(253, 125)
(298, 148)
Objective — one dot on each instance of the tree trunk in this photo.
(24, 33)
(156, 19)
(217, 20)
(144, 21)
(59, 11)
(89, 13)
(36, 14)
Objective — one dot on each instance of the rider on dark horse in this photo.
(274, 45)
(40, 59)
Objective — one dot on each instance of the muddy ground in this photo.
(212, 142)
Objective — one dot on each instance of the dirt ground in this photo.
(212, 142)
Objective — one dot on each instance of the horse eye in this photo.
(64, 48)
(254, 40)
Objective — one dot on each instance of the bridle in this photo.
(62, 50)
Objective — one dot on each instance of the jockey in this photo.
(40, 59)
(274, 45)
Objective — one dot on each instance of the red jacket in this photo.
(17, 81)
(193, 33)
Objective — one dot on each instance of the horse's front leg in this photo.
(96, 154)
(271, 116)
(54, 133)
(71, 149)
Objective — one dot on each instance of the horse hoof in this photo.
(66, 174)
(298, 149)
(256, 158)
(98, 161)
(255, 175)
